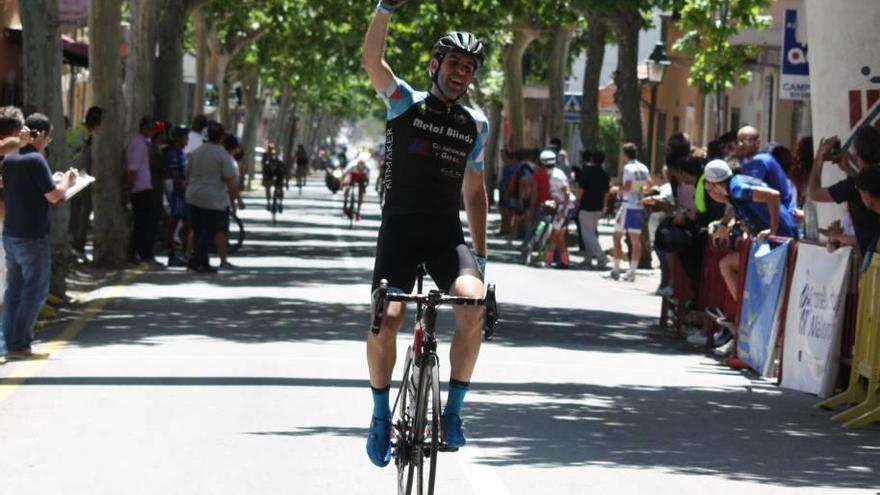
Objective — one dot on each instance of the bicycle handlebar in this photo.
(435, 298)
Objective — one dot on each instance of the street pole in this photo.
(652, 109)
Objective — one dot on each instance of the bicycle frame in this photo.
(417, 435)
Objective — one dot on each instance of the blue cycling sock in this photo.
(381, 408)
(455, 397)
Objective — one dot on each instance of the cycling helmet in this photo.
(179, 130)
(548, 158)
(460, 42)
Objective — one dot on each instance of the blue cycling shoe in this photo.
(453, 434)
(379, 441)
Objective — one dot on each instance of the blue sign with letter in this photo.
(795, 73)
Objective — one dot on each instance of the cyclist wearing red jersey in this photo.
(433, 161)
(357, 174)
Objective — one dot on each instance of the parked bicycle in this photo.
(416, 423)
(236, 232)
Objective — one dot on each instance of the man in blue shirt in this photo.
(756, 205)
(30, 189)
(762, 165)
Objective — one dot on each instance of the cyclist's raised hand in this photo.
(391, 5)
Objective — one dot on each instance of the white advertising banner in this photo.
(842, 36)
(814, 320)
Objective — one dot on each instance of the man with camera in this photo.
(866, 153)
(30, 189)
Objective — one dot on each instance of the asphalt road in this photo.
(253, 381)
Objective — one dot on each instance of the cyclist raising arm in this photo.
(434, 155)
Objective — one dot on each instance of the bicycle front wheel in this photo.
(426, 429)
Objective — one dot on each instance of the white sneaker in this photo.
(696, 337)
(630, 276)
(724, 350)
(664, 291)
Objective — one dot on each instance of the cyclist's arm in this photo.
(477, 206)
(373, 59)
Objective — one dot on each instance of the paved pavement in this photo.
(253, 381)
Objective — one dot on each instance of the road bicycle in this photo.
(277, 196)
(351, 206)
(538, 238)
(416, 423)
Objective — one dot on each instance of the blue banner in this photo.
(765, 276)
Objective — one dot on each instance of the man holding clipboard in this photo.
(30, 189)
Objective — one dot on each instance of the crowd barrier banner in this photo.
(814, 319)
(864, 380)
(759, 314)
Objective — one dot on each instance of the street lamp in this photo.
(656, 68)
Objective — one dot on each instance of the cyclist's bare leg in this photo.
(382, 348)
(468, 329)
(268, 196)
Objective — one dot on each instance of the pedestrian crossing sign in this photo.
(571, 109)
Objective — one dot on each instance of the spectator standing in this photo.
(593, 185)
(79, 144)
(868, 185)
(196, 138)
(211, 182)
(636, 179)
(175, 190)
(866, 153)
(505, 205)
(221, 239)
(13, 136)
(139, 186)
(761, 165)
(30, 189)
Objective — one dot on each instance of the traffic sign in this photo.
(571, 109)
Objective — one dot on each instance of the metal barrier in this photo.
(864, 381)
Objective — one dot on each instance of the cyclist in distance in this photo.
(356, 174)
(274, 173)
(434, 159)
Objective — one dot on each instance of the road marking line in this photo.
(28, 369)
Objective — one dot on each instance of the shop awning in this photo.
(74, 52)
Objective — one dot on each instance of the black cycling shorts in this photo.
(405, 241)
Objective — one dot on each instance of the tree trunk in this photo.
(627, 96)
(200, 27)
(492, 174)
(282, 119)
(560, 44)
(596, 35)
(251, 95)
(719, 113)
(110, 227)
(222, 85)
(41, 49)
(513, 83)
(141, 62)
(168, 87)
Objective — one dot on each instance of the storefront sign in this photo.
(795, 78)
